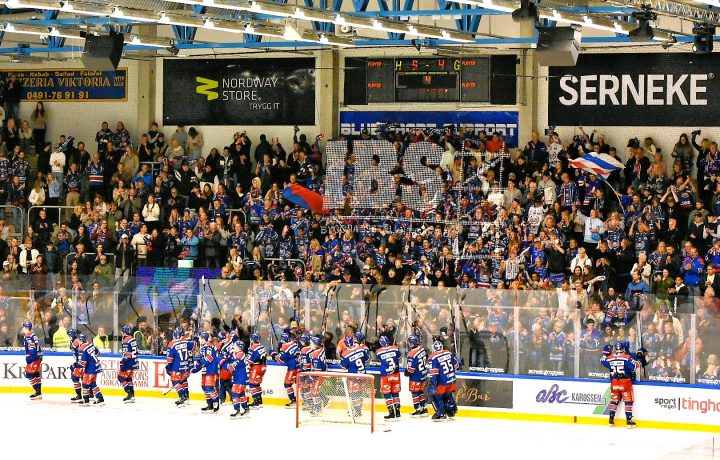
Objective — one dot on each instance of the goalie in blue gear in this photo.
(443, 365)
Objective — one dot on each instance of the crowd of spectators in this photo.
(639, 250)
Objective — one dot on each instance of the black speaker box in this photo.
(102, 52)
(558, 46)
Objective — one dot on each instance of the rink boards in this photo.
(657, 405)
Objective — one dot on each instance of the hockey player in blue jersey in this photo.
(304, 352)
(76, 371)
(240, 370)
(128, 363)
(257, 358)
(623, 369)
(288, 355)
(304, 365)
(90, 362)
(316, 400)
(225, 346)
(443, 365)
(353, 359)
(417, 373)
(33, 359)
(177, 367)
(389, 357)
(208, 362)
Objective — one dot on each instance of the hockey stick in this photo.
(377, 290)
(222, 315)
(462, 316)
(639, 328)
(366, 312)
(272, 325)
(328, 291)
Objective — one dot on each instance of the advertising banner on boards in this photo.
(656, 89)
(239, 92)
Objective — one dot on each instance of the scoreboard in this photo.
(438, 79)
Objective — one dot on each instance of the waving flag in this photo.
(601, 164)
(305, 198)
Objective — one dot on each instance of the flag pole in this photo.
(617, 195)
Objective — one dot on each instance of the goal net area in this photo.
(329, 397)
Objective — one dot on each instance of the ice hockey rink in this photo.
(154, 426)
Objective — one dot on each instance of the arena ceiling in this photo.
(165, 28)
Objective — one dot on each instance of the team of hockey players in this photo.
(227, 369)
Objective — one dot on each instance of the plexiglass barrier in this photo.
(542, 332)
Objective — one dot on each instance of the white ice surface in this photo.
(153, 428)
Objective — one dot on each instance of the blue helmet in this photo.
(413, 340)
(437, 345)
(72, 333)
(349, 341)
(359, 336)
(82, 337)
(27, 325)
(621, 348)
(127, 330)
(222, 335)
(178, 332)
(305, 338)
(205, 336)
(316, 340)
(384, 342)
(240, 345)
(285, 337)
(255, 338)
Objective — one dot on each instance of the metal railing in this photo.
(17, 215)
(66, 264)
(32, 209)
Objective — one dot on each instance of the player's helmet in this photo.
(82, 338)
(27, 325)
(239, 345)
(72, 333)
(126, 330)
(305, 338)
(437, 345)
(222, 335)
(413, 340)
(178, 333)
(255, 338)
(359, 336)
(384, 342)
(316, 340)
(285, 337)
(205, 336)
(349, 341)
(619, 348)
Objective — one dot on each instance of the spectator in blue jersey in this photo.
(636, 287)
(693, 268)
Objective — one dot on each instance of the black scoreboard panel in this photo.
(380, 80)
(436, 79)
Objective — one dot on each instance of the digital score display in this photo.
(428, 79)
